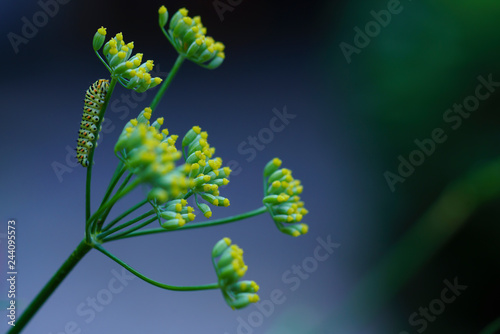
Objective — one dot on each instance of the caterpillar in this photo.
(94, 99)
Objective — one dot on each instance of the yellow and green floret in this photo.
(174, 214)
(151, 155)
(205, 172)
(228, 262)
(188, 36)
(282, 199)
(127, 68)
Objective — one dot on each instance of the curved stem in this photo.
(166, 83)
(187, 227)
(122, 82)
(153, 282)
(51, 285)
(196, 200)
(91, 161)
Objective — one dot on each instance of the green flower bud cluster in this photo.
(230, 267)
(206, 174)
(282, 200)
(151, 154)
(174, 214)
(188, 36)
(130, 70)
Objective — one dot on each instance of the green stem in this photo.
(114, 199)
(492, 328)
(265, 186)
(424, 239)
(114, 180)
(91, 160)
(153, 282)
(189, 193)
(102, 60)
(124, 182)
(100, 220)
(123, 215)
(108, 210)
(187, 227)
(166, 83)
(51, 285)
(166, 35)
(135, 228)
(122, 226)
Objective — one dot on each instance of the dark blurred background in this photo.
(364, 80)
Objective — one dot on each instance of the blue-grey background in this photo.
(351, 123)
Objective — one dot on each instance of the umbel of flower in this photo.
(282, 199)
(174, 214)
(151, 154)
(230, 268)
(128, 68)
(188, 36)
(205, 172)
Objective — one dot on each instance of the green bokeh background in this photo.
(394, 91)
